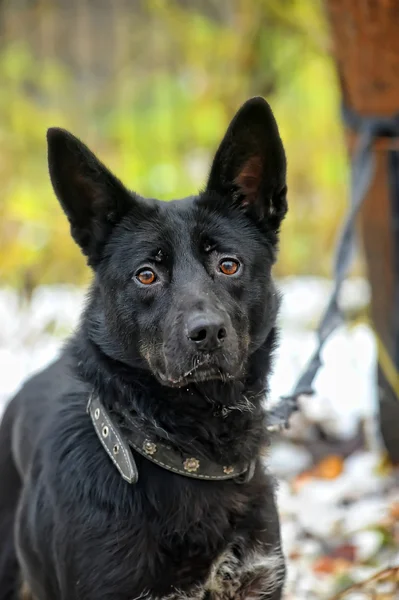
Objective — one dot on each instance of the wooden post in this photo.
(365, 36)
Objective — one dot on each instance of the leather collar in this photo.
(118, 440)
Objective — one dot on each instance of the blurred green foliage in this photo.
(157, 120)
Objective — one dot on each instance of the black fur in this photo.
(71, 528)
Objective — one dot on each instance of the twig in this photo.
(358, 586)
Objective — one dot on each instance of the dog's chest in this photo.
(259, 575)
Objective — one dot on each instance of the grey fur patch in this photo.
(257, 577)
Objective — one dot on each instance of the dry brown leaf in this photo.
(294, 555)
(324, 565)
(346, 552)
(328, 565)
(385, 467)
(300, 480)
(329, 468)
(394, 511)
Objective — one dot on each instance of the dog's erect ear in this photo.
(250, 163)
(93, 199)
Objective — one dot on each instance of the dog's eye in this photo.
(229, 266)
(146, 276)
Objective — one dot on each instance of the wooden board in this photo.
(365, 36)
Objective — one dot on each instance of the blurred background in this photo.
(151, 86)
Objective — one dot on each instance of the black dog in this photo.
(131, 468)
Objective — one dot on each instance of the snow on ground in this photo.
(337, 530)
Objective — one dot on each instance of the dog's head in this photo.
(183, 288)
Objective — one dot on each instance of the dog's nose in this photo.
(206, 331)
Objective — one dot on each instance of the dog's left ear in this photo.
(250, 164)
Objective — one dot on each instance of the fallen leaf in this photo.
(329, 468)
(343, 581)
(327, 565)
(346, 552)
(385, 467)
(294, 555)
(300, 480)
(324, 565)
(394, 511)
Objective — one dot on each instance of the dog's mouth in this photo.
(203, 371)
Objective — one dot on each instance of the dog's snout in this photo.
(207, 331)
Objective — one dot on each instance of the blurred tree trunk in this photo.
(366, 48)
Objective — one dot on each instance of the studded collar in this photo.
(120, 438)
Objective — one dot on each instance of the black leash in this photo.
(363, 166)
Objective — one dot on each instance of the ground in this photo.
(339, 508)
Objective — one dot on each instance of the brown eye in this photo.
(146, 276)
(229, 266)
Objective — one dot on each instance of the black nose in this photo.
(206, 331)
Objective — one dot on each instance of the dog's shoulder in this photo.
(34, 404)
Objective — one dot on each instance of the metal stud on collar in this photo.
(228, 470)
(191, 465)
(149, 447)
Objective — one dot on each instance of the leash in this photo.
(363, 167)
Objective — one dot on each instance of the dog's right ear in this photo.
(93, 199)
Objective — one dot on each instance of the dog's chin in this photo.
(199, 375)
